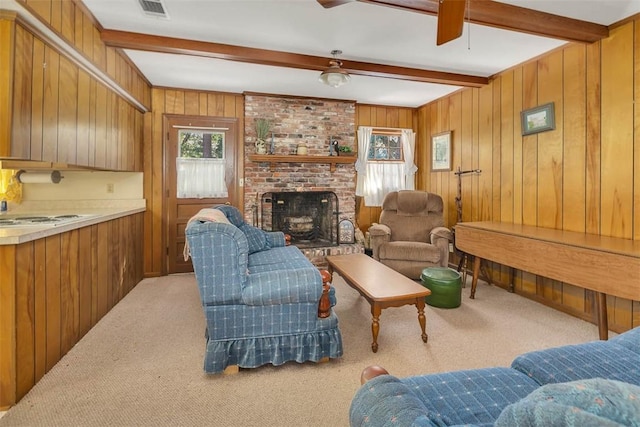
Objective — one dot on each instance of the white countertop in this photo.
(96, 212)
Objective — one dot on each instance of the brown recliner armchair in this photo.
(411, 234)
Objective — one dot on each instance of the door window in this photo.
(200, 164)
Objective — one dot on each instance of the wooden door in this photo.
(193, 140)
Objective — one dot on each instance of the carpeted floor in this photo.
(142, 363)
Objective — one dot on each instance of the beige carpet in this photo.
(142, 364)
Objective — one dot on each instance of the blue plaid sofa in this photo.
(260, 297)
(591, 384)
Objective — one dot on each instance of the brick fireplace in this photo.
(295, 120)
(309, 217)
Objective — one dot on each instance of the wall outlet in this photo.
(450, 247)
(110, 188)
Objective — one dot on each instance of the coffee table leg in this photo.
(422, 318)
(375, 326)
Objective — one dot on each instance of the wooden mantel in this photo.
(272, 159)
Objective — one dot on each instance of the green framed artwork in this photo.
(538, 119)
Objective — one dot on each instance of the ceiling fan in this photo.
(450, 14)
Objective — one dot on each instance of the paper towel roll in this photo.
(52, 177)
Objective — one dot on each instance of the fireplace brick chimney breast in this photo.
(295, 120)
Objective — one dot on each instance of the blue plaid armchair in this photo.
(260, 297)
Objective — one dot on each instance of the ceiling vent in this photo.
(154, 8)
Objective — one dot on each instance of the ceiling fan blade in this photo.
(450, 20)
(328, 4)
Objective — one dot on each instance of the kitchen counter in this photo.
(92, 212)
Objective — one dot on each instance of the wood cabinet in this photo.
(54, 290)
(61, 110)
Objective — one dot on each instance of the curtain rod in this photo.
(199, 127)
(388, 129)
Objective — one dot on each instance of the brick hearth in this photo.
(317, 255)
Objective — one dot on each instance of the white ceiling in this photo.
(364, 32)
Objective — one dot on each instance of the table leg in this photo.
(511, 284)
(476, 272)
(603, 322)
(485, 273)
(422, 319)
(462, 268)
(375, 325)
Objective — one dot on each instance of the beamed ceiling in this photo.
(389, 46)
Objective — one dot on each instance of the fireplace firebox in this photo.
(309, 217)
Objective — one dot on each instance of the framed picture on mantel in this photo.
(441, 152)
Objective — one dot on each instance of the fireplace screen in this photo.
(309, 217)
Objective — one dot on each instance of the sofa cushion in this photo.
(283, 287)
(256, 238)
(281, 258)
(233, 214)
(594, 402)
(604, 359)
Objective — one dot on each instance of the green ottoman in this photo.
(445, 286)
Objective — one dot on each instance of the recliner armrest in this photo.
(441, 237)
(440, 233)
(378, 235)
(379, 230)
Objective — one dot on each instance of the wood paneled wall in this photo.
(383, 117)
(76, 25)
(54, 290)
(7, 37)
(61, 113)
(583, 176)
(185, 102)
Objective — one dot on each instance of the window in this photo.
(385, 147)
(200, 144)
(385, 163)
(200, 164)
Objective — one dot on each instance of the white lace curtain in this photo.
(200, 178)
(376, 179)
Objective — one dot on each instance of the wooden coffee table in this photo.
(381, 286)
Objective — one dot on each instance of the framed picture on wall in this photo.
(441, 152)
(538, 119)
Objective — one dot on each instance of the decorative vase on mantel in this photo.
(261, 146)
(263, 126)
